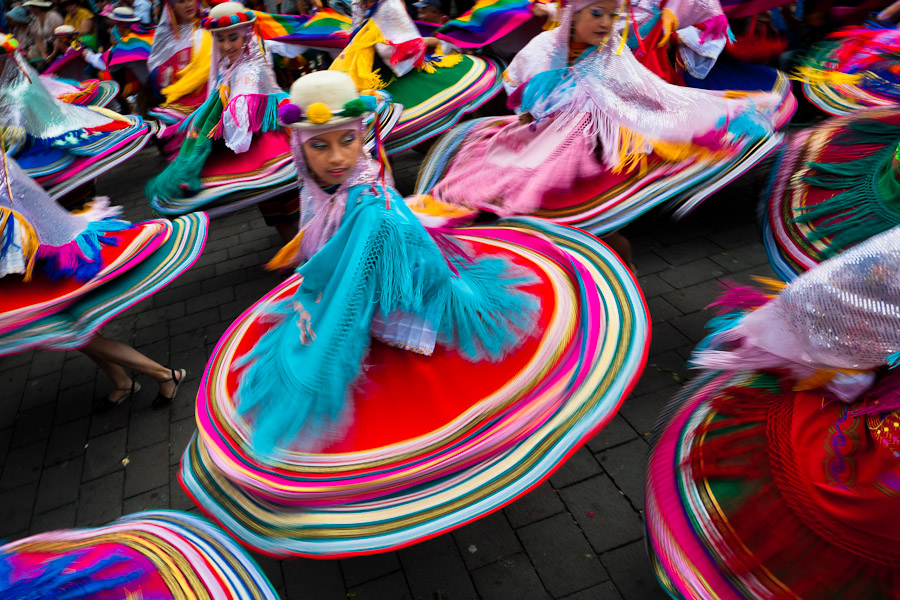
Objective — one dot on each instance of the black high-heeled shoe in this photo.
(161, 401)
(102, 405)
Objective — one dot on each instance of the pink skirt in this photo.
(508, 168)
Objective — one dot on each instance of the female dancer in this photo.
(435, 88)
(598, 138)
(377, 364)
(234, 145)
(179, 64)
(776, 473)
(61, 145)
(64, 275)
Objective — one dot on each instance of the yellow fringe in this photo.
(774, 285)
(441, 61)
(286, 258)
(815, 75)
(669, 23)
(358, 59)
(631, 155)
(193, 76)
(815, 382)
(30, 241)
(426, 204)
(82, 93)
(624, 37)
(224, 94)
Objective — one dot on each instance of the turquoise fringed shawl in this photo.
(380, 258)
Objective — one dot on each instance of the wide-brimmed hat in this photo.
(38, 3)
(123, 14)
(64, 30)
(322, 100)
(19, 14)
(228, 15)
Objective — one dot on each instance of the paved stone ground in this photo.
(578, 536)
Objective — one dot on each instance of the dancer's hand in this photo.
(525, 119)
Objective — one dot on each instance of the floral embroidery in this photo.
(840, 467)
(885, 429)
(304, 324)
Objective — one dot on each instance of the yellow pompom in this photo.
(318, 113)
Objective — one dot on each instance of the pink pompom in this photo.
(289, 113)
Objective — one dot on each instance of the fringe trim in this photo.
(358, 58)
(84, 95)
(861, 209)
(441, 62)
(182, 176)
(262, 112)
(80, 259)
(557, 94)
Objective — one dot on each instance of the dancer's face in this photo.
(332, 156)
(594, 23)
(229, 44)
(185, 10)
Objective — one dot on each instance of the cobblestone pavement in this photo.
(578, 536)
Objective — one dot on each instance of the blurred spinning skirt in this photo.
(435, 102)
(435, 441)
(163, 555)
(755, 491)
(91, 92)
(833, 186)
(63, 166)
(63, 314)
(854, 68)
(264, 170)
(606, 202)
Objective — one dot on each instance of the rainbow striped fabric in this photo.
(78, 321)
(590, 351)
(133, 47)
(60, 171)
(608, 202)
(794, 245)
(324, 29)
(159, 555)
(435, 102)
(486, 22)
(275, 26)
(852, 69)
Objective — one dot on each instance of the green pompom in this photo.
(355, 108)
